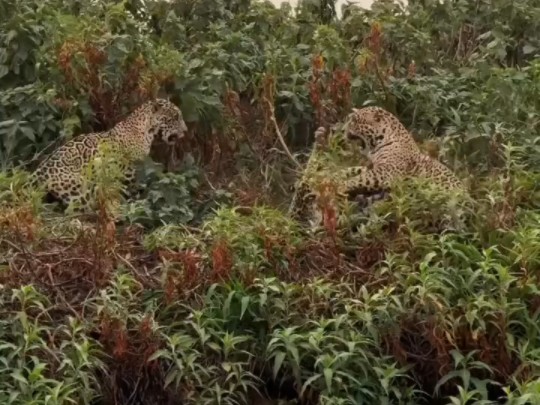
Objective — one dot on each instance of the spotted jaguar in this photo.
(61, 174)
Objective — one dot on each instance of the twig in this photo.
(278, 133)
(13, 245)
(134, 389)
(126, 262)
(66, 282)
(26, 255)
(72, 259)
(381, 81)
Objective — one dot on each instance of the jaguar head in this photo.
(168, 122)
(370, 126)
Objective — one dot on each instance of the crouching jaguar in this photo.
(392, 154)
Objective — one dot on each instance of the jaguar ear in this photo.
(158, 104)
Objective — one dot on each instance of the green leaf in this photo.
(328, 374)
(28, 133)
(309, 381)
(528, 49)
(3, 71)
(245, 303)
(170, 378)
(278, 361)
(17, 375)
(12, 34)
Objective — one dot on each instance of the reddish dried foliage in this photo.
(326, 200)
(370, 253)
(426, 345)
(276, 247)
(221, 261)
(179, 284)
(83, 66)
(69, 267)
(218, 149)
(58, 266)
(340, 89)
(67, 270)
(316, 88)
(330, 92)
(130, 350)
(120, 347)
(374, 61)
(19, 222)
(373, 42)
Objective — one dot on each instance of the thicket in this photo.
(203, 290)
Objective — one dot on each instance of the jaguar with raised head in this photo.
(61, 173)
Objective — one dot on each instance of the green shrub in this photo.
(425, 296)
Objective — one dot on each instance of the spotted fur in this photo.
(309, 193)
(393, 154)
(61, 173)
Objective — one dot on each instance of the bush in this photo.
(198, 288)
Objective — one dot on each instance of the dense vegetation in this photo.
(203, 290)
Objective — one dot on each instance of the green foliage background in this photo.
(207, 292)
